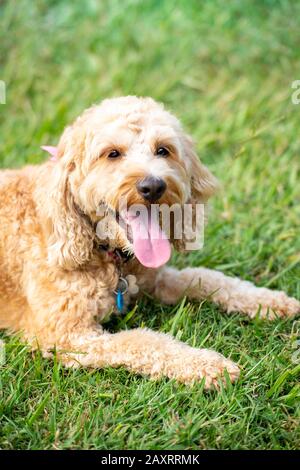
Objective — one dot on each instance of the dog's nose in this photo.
(151, 188)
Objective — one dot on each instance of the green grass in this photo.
(226, 70)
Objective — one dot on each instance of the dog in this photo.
(59, 280)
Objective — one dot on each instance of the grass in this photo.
(226, 71)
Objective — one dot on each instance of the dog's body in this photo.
(57, 284)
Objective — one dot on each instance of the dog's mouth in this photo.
(150, 244)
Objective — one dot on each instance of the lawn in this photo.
(226, 70)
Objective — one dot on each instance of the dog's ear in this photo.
(203, 186)
(71, 236)
(203, 183)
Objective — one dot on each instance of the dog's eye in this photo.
(162, 152)
(114, 154)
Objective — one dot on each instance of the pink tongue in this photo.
(150, 244)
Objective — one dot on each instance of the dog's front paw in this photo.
(209, 365)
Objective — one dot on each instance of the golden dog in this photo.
(59, 280)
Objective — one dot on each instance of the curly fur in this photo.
(56, 287)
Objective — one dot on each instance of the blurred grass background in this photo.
(226, 71)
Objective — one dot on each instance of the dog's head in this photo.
(122, 154)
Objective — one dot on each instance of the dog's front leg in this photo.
(232, 294)
(148, 353)
(63, 316)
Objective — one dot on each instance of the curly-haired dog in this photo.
(58, 280)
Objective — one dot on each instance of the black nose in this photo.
(151, 188)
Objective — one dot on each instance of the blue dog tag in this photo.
(120, 300)
(122, 288)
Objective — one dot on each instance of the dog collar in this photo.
(117, 254)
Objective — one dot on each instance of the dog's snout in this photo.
(151, 188)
